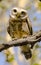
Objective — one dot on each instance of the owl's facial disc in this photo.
(18, 14)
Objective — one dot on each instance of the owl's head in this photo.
(18, 13)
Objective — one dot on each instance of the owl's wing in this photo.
(29, 26)
(8, 29)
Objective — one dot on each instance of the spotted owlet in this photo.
(20, 27)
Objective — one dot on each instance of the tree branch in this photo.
(32, 39)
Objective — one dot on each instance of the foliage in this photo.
(10, 58)
(36, 64)
(35, 18)
(39, 5)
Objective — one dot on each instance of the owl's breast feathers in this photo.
(18, 29)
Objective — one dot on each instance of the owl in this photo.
(20, 27)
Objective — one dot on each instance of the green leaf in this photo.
(37, 46)
(35, 18)
(28, 8)
(2, 6)
(10, 59)
(39, 4)
(1, 38)
(36, 64)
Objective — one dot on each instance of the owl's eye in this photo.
(14, 10)
(23, 13)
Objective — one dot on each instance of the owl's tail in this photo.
(28, 54)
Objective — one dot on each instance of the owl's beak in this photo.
(18, 15)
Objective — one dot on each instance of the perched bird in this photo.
(20, 27)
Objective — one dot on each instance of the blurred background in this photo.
(33, 8)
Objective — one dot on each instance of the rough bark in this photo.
(32, 39)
